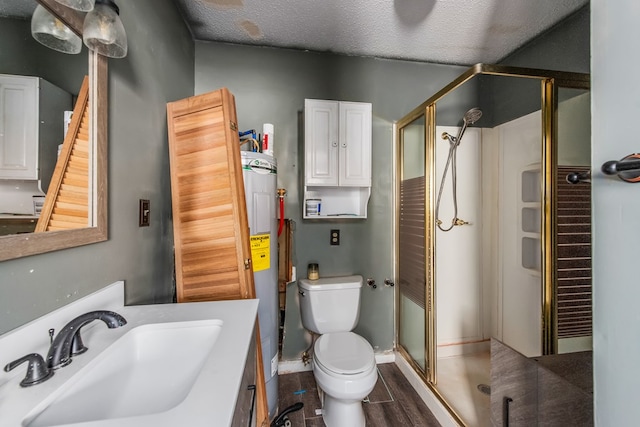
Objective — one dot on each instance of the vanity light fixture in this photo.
(81, 5)
(53, 33)
(103, 31)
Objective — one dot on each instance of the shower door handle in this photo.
(627, 169)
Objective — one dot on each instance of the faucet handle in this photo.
(77, 346)
(37, 371)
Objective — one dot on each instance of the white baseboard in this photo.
(386, 357)
(291, 366)
(433, 403)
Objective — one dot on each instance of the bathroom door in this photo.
(411, 243)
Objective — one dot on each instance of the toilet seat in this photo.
(344, 353)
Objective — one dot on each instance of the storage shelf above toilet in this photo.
(338, 202)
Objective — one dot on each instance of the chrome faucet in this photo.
(68, 341)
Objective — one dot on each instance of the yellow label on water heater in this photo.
(260, 252)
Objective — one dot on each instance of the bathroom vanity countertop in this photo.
(18, 216)
(211, 400)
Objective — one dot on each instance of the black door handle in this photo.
(505, 410)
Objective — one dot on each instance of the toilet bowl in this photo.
(344, 365)
(345, 370)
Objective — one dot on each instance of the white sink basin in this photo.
(150, 369)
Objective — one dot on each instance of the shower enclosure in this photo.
(491, 242)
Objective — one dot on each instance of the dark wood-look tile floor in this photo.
(393, 401)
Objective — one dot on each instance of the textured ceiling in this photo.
(442, 31)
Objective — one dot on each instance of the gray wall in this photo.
(615, 221)
(159, 68)
(270, 86)
(21, 54)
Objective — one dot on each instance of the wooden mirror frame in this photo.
(22, 245)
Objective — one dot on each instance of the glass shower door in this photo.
(411, 243)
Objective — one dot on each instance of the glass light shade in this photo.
(51, 32)
(103, 31)
(81, 5)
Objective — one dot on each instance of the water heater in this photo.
(260, 172)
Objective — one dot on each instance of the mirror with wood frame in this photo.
(21, 245)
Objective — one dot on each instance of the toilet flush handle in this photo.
(301, 293)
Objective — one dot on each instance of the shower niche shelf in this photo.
(531, 220)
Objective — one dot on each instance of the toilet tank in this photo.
(330, 304)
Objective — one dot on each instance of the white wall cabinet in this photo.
(338, 157)
(31, 127)
(18, 127)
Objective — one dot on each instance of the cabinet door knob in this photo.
(344, 145)
(334, 143)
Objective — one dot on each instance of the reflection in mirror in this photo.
(51, 81)
(573, 283)
(39, 88)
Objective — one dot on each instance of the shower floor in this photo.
(458, 378)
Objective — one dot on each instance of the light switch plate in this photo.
(144, 213)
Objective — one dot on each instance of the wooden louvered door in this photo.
(210, 225)
(66, 205)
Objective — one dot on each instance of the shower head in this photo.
(472, 116)
(469, 118)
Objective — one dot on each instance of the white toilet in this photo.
(343, 362)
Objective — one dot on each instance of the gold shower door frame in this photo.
(550, 81)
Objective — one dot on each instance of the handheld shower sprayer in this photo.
(472, 116)
(469, 118)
